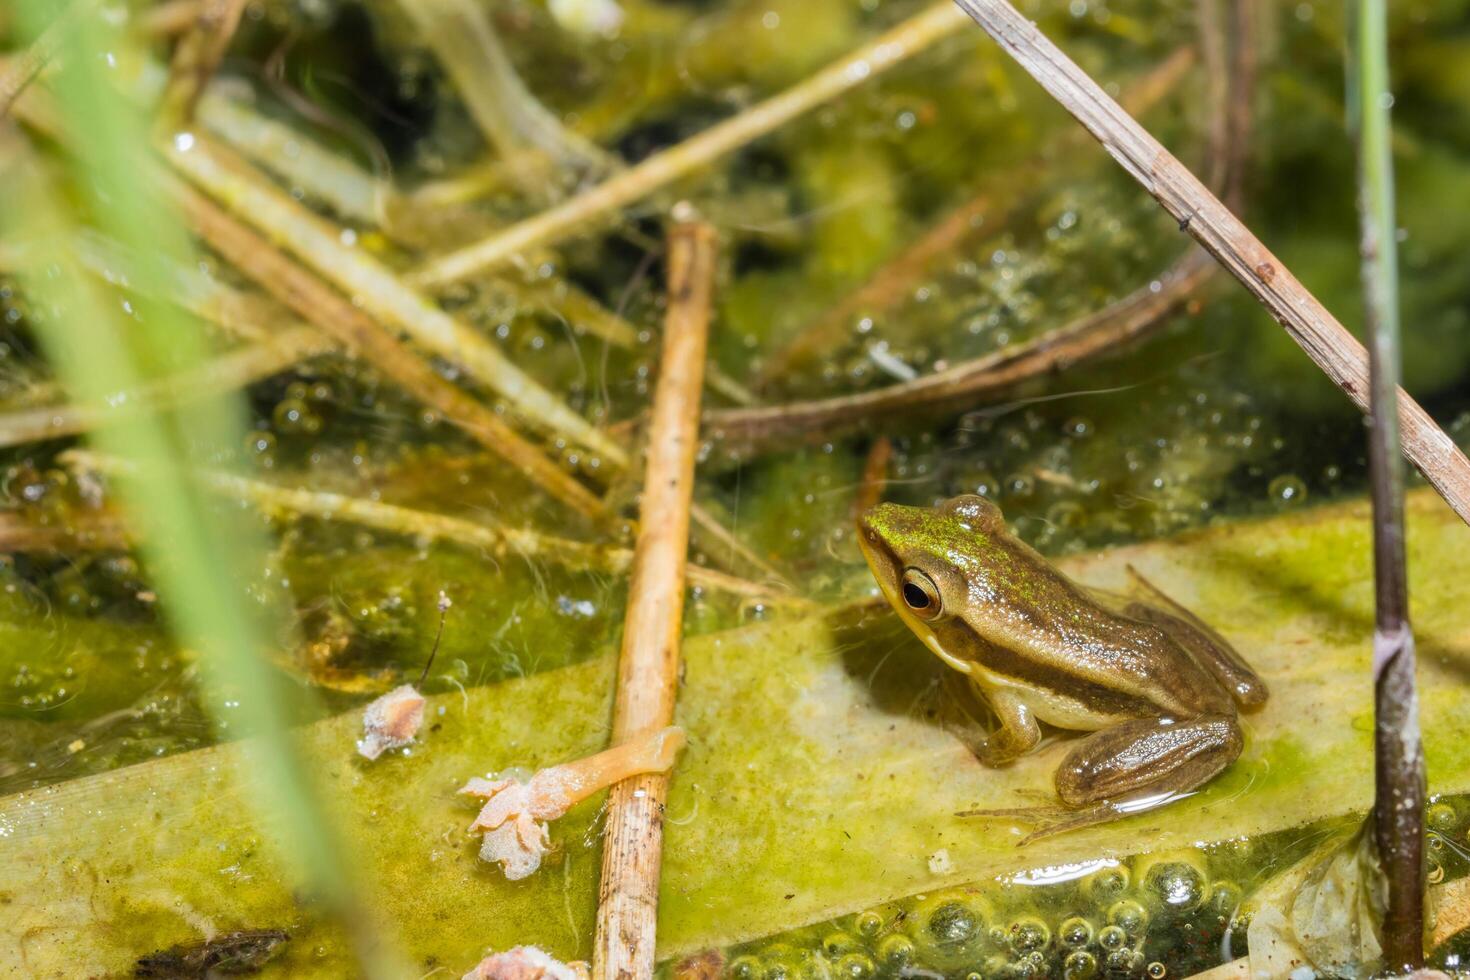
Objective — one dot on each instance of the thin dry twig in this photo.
(648, 669)
(1210, 222)
(381, 293)
(497, 541)
(319, 304)
(196, 56)
(236, 369)
(966, 384)
(172, 17)
(554, 224)
(896, 278)
(462, 36)
(19, 72)
(874, 478)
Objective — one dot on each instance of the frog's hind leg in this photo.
(1208, 648)
(1129, 768)
(1147, 756)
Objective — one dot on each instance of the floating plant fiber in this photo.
(809, 788)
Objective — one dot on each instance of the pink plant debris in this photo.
(391, 722)
(527, 963)
(515, 813)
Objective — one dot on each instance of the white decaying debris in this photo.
(527, 963)
(391, 721)
(588, 16)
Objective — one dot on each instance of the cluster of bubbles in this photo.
(1153, 916)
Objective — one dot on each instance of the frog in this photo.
(1157, 692)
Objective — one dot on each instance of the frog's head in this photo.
(925, 559)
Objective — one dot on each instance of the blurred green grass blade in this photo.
(201, 558)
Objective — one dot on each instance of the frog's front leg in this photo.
(1016, 734)
(1147, 755)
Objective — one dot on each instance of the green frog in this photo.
(1158, 690)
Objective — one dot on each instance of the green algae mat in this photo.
(816, 782)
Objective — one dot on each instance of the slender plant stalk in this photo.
(1398, 805)
(168, 17)
(462, 36)
(318, 303)
(196, 56)
(495, 540)
(197, 556)
(231, 371)
(916, 34)
(231, 181)
(648, 669)
(896, 278)
(19, 72)
(969, 383)
(1211, 223)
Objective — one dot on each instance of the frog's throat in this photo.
(921, 629)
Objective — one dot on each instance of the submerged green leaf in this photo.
(816, 782)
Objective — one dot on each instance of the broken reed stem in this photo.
(1398, 805)
(196, 56)
(322, 306)
(555, 224)
(1202, 214)
(970, 382)
(896, 278)
(543, 154)
(648, 668)
(236, 369)
(170, 17)
(495, 540)
(19, 72)
(379, 292)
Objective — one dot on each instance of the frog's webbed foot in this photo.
(1058, 818)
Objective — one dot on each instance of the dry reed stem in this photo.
(964, 385)
(320, 305)
(875, 476)
(648, 668)
(380, 293)
(230, 371)
(496, 540)
(554, 224)
(81, 532)
(463, 38)
(1199, 212)
(896, 278)
(20, 71)
(171, 17)
(196, 56)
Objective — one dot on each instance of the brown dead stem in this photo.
(497, 541)
(972, 382)
(322, 306)
(196, 56)
(553, 225)
(648, 669)
(897, 277)
(1097, 334)
(19, 72)
(236, 369)
(875, 476)
(1222, 234)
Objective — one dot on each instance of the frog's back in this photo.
(1044, 631)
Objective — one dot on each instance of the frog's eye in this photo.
(920, 594)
